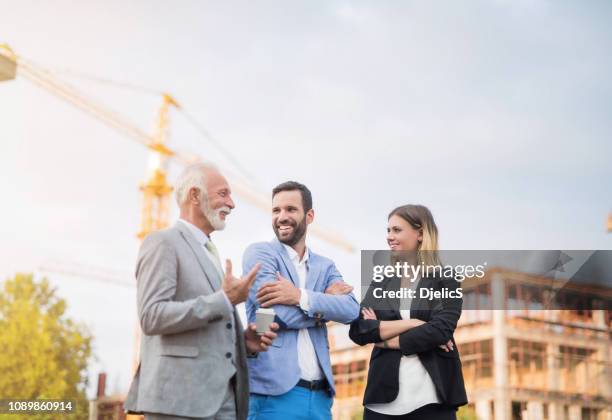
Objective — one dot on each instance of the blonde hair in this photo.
(421, 219)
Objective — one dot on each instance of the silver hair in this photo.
(193, 176)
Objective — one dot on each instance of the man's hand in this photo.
(279, 292)
(237, 290)
(339, 288)
(256, 343)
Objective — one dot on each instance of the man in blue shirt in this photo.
(293, 380)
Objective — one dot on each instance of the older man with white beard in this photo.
(193, 349)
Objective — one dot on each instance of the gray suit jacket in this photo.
(190, 348)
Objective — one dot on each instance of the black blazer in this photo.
(440, 315)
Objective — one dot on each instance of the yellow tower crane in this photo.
(156, 191)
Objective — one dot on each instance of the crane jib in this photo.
(8, 68)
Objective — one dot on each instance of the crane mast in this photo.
(156, 191)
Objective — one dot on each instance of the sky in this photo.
(494, 114)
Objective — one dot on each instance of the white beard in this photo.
(214, 216)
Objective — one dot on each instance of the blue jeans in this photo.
(297, 404)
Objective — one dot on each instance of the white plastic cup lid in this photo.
(268, 311)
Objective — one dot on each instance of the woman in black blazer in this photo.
(415, 370)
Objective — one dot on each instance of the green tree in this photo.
(43, 353)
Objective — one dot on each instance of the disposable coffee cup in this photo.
(263, 318)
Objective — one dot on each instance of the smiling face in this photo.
(289, 220)
(218, 203)
(401, 236)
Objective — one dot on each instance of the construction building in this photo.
(520, 361)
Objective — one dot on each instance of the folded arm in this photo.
(342, 308)
(287, 316)
(367, 329)
(390, 329)
(439, 329)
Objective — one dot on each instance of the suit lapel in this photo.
(208, 266)
(394, 284)
(417, 302)
(287, 262)
(312, 274)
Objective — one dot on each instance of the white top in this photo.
(416, 388)
(307, 357)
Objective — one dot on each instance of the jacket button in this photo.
(229, 325)
(228, 355)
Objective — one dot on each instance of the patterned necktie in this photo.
(216, 260)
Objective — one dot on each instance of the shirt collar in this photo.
(199, 236)
(293, 255)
